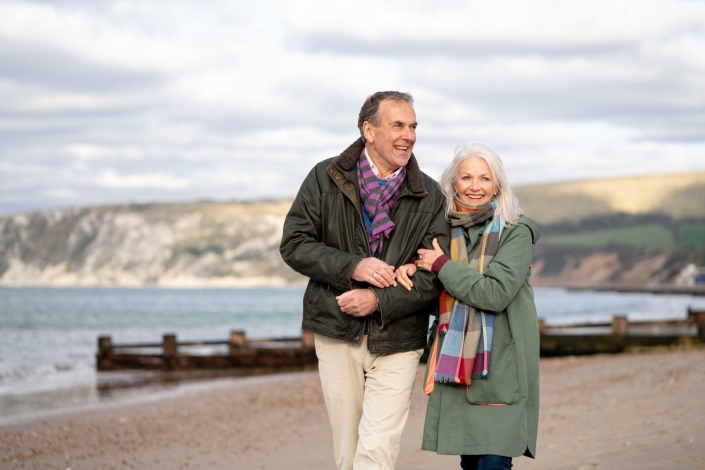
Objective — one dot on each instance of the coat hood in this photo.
(533, 228)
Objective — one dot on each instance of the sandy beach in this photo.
(629, 411)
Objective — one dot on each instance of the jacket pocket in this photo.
(502, 386)
(314, 290)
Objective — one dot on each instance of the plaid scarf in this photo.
(465, 354)
(378, 201)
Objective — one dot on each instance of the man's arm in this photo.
(396, 302)
(301, 247)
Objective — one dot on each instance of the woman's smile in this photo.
(474, 183)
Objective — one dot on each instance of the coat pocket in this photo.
(313, 290)
(502, 386)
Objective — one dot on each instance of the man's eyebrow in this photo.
(401, 123)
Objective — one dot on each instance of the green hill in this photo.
(680, 195)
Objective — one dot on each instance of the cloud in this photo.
(133, 101)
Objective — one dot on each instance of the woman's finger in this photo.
(435, 245)
(403, 278)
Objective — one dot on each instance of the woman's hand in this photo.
(403, 275)
(428, 257)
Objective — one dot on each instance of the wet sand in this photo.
(628, 411)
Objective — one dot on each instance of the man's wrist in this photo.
(377, 309)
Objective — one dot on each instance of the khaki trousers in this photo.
(367, 396)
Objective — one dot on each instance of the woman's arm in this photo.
(403, 275)
(503, 278)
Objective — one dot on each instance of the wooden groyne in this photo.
(237, 352)
(620, 335)
(696, 290)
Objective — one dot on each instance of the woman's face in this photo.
(474, 183)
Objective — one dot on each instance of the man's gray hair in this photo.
(369, 111)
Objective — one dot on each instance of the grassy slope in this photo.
(681, 195)
(646, 236)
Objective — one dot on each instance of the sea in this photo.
(48, 336)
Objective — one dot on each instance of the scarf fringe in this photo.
(450, 379)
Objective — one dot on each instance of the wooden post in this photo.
(169, 345)
(698, 317)
(542, 326)
(237, 341)
(307, 340)
(105, 345)
(620, 325)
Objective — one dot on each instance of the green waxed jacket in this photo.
(324, 238)
(458, 420)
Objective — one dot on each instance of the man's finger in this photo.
(387, 276)
(376, 281)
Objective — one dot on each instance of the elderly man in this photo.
(357, 217)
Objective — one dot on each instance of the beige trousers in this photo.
(367, 396)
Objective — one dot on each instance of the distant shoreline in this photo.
(698, 290)
(636, 288)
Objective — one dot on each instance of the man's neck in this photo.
(383, 171)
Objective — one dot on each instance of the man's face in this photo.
(389, 144)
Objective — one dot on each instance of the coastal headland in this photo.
(598, 233)
(628, 411)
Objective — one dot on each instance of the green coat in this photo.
(456, 422)
(324, 238)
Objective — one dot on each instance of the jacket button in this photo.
(346, 186)
(357, 338)
(337, 177)
(372, 348)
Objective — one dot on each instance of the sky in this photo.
(133, 101)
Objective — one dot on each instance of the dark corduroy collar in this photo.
(348, 159)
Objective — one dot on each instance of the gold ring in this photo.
(375, 276)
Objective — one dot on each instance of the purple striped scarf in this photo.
(378, 201)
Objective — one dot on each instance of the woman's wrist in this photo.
(438, 264)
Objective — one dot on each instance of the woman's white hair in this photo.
(508, 208)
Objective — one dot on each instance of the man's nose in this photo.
(409, 134)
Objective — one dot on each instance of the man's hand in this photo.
(404, 274)
(358, 302)
(375, 272)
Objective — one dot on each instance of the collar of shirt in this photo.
(375, 170)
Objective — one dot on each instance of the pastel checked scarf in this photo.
(467, 346)
(378, 201)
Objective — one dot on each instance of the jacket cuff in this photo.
(438, 264)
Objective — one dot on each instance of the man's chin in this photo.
(401, 160)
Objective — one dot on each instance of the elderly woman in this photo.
(483, 371)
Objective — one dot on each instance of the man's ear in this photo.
(367, 132)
